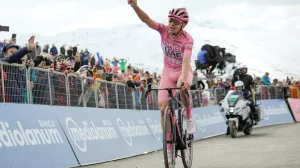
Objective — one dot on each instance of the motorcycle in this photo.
(238, 113)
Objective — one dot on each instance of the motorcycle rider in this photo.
(239, 85)
(248, 96)
(241, 75)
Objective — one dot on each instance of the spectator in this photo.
(275, 82)
(257, 80)
(46, 48)
(115, 63)
(85, 58)
(241, 74)
(266, 79)
(38, 49)
(130, 67)
(16, 78)
(201, 83)
(100, 61)
(63, 50)
(2, 44)
(123, 63)
(93, 61)
(53, 50)
(194, 82)
(107, 68)
(10, 49)
(70, 52)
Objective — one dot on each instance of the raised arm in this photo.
(141, 14)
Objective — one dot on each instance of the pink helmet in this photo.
(180, 14)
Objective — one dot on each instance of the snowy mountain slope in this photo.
(265, 40)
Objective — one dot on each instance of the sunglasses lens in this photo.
(175, 21)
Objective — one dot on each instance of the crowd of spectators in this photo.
(227, 82)
(67, 61)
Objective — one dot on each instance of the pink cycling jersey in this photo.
(175, 49)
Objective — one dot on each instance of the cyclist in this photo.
(177, 46)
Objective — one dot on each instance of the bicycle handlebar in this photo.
(168, 89)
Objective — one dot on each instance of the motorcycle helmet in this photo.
(239, 85)
(243, 67)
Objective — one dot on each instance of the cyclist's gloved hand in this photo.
(185, 85)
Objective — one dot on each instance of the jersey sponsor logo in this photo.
(172, 60)
(172, 47)
(172, 53)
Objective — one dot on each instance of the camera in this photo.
(107, 76)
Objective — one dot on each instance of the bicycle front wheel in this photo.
(187, 153)
(169, 156)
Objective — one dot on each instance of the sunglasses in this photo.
(175, 21)
(70, 69)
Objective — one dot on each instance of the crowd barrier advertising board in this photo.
(209, 122)
(276, 112)
(295, 107)
(99, 135)
(44, 136)
(31, 136)
(152, 119)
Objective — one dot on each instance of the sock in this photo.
(188, 113)
(169, 145)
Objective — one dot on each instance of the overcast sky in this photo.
(55, 16)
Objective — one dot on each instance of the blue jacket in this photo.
(53, 51)
(201, 57)
(266, 80)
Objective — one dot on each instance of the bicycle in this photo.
(180, 140)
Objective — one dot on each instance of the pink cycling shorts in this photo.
(169, 79)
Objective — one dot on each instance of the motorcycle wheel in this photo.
(233, 129)
(248, 131)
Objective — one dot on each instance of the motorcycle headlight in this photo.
(231, 109)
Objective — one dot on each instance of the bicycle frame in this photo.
(178, 125)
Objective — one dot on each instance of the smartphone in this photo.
(4, 28)
(14, 36)
(74, 51)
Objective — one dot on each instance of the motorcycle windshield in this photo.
(233, 97)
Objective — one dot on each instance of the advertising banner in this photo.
(99, 135)
(275, 112)
(152, 119)
(31, 136)
(209, 122)
(295, 107)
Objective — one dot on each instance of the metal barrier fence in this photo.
(42, 86)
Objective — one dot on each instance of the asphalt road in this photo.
(268, 147)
